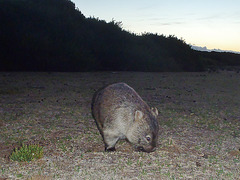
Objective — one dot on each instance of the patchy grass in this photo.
(27, 153)
(199, 126)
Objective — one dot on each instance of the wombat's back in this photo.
(112, 97)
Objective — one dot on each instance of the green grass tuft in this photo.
(27, 153)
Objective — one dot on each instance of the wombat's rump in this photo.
(121, 113)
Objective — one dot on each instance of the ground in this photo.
(199, 119)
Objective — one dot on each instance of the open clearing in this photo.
(199, 126)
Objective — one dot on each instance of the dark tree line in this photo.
(52, 35)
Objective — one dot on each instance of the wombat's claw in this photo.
(110, 149)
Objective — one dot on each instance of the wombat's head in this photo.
(144, 132)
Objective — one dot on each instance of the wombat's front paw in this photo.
(110, 149)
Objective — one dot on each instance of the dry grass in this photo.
(199, 133)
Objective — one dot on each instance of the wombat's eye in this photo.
(148, 138)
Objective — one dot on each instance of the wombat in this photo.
(120, 113)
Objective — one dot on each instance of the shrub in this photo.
(27, 153)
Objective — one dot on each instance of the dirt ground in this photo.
(199, 121)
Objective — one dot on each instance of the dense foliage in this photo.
(52, 35)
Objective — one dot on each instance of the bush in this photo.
(27, 153)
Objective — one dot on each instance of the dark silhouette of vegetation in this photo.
(52, 35)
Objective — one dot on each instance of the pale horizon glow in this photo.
(211, 23)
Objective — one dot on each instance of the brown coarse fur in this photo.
(120, 113)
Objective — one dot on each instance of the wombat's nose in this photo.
(146, 149)
(150, 149)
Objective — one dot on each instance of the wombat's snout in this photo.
(147, 149)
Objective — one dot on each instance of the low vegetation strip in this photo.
(53, 35)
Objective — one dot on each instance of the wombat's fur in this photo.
(121, 113)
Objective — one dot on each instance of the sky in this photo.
(211, 23)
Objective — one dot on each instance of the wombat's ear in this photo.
(138, 115)
(154, 111)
